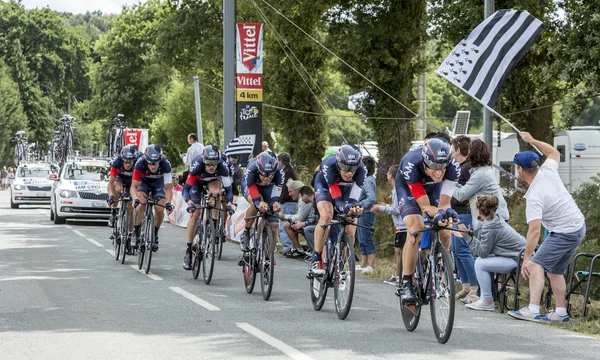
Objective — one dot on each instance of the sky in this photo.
(80, 6)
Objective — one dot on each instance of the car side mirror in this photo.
(53, 177)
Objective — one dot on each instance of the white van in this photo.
(579, 155)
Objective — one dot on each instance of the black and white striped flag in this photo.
(241, 145)
(480, 63)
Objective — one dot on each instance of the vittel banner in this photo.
(249, 48)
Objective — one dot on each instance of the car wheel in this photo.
(12, 204)
(57, 219)
(51, 214)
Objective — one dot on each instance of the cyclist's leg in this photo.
(196, 196)
(214, 187)
(325, 207)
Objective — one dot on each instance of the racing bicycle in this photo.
(147, 235)
(120, 235)
(261, 257)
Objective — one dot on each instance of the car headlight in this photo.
(19, 187)
(68, 193)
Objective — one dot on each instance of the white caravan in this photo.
(579, 155)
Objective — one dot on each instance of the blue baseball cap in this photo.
(527, 159)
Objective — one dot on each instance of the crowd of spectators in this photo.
(7, 174)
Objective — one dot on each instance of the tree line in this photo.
(141, 62)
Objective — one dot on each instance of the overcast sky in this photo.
(80, 6)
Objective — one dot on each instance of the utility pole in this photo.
(228, 70)
(69, 105)
(198, 110)
(422, 95)
(488, 126)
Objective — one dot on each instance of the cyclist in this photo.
(151, 177)
(424, 185)
(262, 187)
(121, 171)
(207, 172)
(338, 185)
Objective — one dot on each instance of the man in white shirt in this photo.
(193, 151)
(549, 204)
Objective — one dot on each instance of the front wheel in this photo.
(267, 263)
(442, 294)
(149, 243)
(208, 253)
(344, 277)
(197, 251)
(124, 233)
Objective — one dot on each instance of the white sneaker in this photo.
(393, 280)
(367, 270)
(525, 314)
(358, 268)
(552, 316)
(482, 304)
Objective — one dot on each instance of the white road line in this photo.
(43, 212)
(94, 242)
(112, 252)
(277, 344)
(205, 304)
(68, 226)
(79, 233)
(150, 275)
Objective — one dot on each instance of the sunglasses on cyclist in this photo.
(211, 162)
(127, 161)
(435, 166)
(348, 168)
(153, 163)
(270, 176)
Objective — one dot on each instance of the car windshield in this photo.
(34, 172)
(87, 172)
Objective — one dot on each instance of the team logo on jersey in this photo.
(407, 170)
(441, 153)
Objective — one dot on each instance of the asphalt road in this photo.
(63, 296)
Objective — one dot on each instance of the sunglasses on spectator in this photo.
(348, 168)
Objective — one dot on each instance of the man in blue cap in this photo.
(549, 204)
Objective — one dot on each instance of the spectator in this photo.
(365, 236)
(288, 198)
(295, 224)
(175, 181)
(497, 249)
(265, 146)
(394, 210)
(3, 178)
(549, 204)
(462, 254)
(11, 175)
(193, 151)
(237, 175)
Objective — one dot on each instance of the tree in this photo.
(382, 40)
(530, 84)
(12, 117)
(351, 130)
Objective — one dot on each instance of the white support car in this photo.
(81, 191)
(31, 185)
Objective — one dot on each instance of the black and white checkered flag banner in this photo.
(241, 145)
(481, 62)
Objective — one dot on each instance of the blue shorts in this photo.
(155, 189)
(125, 181)
(265, 193)
(322, 192)
(407, 203)
(556, 251)
(198, 189)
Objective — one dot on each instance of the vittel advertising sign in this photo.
(249, 46)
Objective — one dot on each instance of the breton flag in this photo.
(241, 145)
(480, 63)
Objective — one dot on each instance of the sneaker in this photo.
(111, 220)
(469, 299)
(155, 245)
(358, 268)
(407, 292)
(393, 280)
(552, 316)
(245, 241)
(187, 260)
(285, 251)
(482, 304)
(295, 254)
(317, 268)
(525, 314)
(367, 270)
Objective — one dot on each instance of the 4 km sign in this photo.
(249, 82)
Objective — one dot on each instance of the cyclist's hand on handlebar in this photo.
(136, 203)
(169, 207)
(110, 200)
(263, 207)
(229, 208)
(440, 217)
(452, 216)
(191, 208)
(276, 207)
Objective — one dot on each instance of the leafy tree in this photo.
(343, 129)
(12, 117)
(382, 40)
(530, 84)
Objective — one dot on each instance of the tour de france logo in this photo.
(249, 112)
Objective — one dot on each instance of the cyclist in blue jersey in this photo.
(338, 185)
(151, 178)
(121, 172)
(207, 172)
(262, 187)
(424, 185)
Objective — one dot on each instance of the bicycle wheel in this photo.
(267, 267)
(318, 290)
(220, 236)
(150, 238)
(124, 231)
(197, 250)
(249, 268)
(344, 277)
(411, 313)
(443, 292)
(141, 245)
(117, 241)
(208, 254)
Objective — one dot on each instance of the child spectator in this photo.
(498, 249)
(398, 223)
